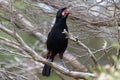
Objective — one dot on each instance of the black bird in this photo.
(56, 41)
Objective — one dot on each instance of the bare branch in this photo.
(71, 37)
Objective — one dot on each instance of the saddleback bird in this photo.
(56, 41)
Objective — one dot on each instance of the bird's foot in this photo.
(65, 65)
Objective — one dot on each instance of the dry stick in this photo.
(105, 52)
(18, 38)
(71, 37)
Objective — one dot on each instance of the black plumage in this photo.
(56, 41)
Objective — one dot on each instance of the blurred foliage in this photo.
(109, 72)
(30, 40)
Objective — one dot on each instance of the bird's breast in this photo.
(57, 39)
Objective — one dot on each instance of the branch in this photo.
(63, 70)
(74, 62)
(71, 37)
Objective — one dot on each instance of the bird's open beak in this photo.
(66, 11)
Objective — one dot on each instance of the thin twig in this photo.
(77, 41)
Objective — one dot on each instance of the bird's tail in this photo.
(46, 70)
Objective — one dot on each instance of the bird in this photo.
(56, 41)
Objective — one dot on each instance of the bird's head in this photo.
(62, 13)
